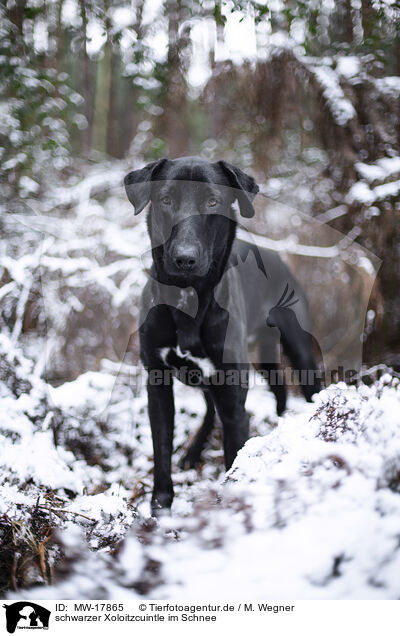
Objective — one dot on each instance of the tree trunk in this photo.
(59, 38)
(16, 15)
(102, 99)
(368, 18)
(173, 129)
(86, 83)
(114, 126)
(349, 22)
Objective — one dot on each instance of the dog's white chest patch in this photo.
(204, 364)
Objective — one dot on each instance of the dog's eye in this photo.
(212, 202)
(166, 200)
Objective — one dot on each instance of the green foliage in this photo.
(37, 109)
(219, 18)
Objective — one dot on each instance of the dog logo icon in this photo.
(26, 615)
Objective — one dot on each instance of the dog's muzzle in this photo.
(186, 257)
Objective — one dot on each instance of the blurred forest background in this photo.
(304, 95)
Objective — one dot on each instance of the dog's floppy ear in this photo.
(138, 183)
(246, 186)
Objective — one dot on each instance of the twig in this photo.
(13, 572)
(42, 560)
(70, 512)
(379, 367)
(20, 311)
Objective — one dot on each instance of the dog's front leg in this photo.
(230, 403)
(161, 413)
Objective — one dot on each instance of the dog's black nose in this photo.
(186, 258)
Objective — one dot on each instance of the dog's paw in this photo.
(280, 408)
(189, 461)
(161, 504)
(160, 513)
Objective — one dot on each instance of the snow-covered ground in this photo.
(310, 508)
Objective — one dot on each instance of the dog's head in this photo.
(191, 219)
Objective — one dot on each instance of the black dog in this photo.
(225, 290)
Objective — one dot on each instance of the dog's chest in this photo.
(175, 358)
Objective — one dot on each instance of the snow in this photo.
(35, 457)
(28, 185)
(239, 38)
(290, 246)
(380, 170)
(389, 85)
(84, 392)
(342, 109)
(122, 17)
(362, 193)
(102, 506)
(380, 175)
(96, 36)
(309, 509)
(348, 66)
(387, 190)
